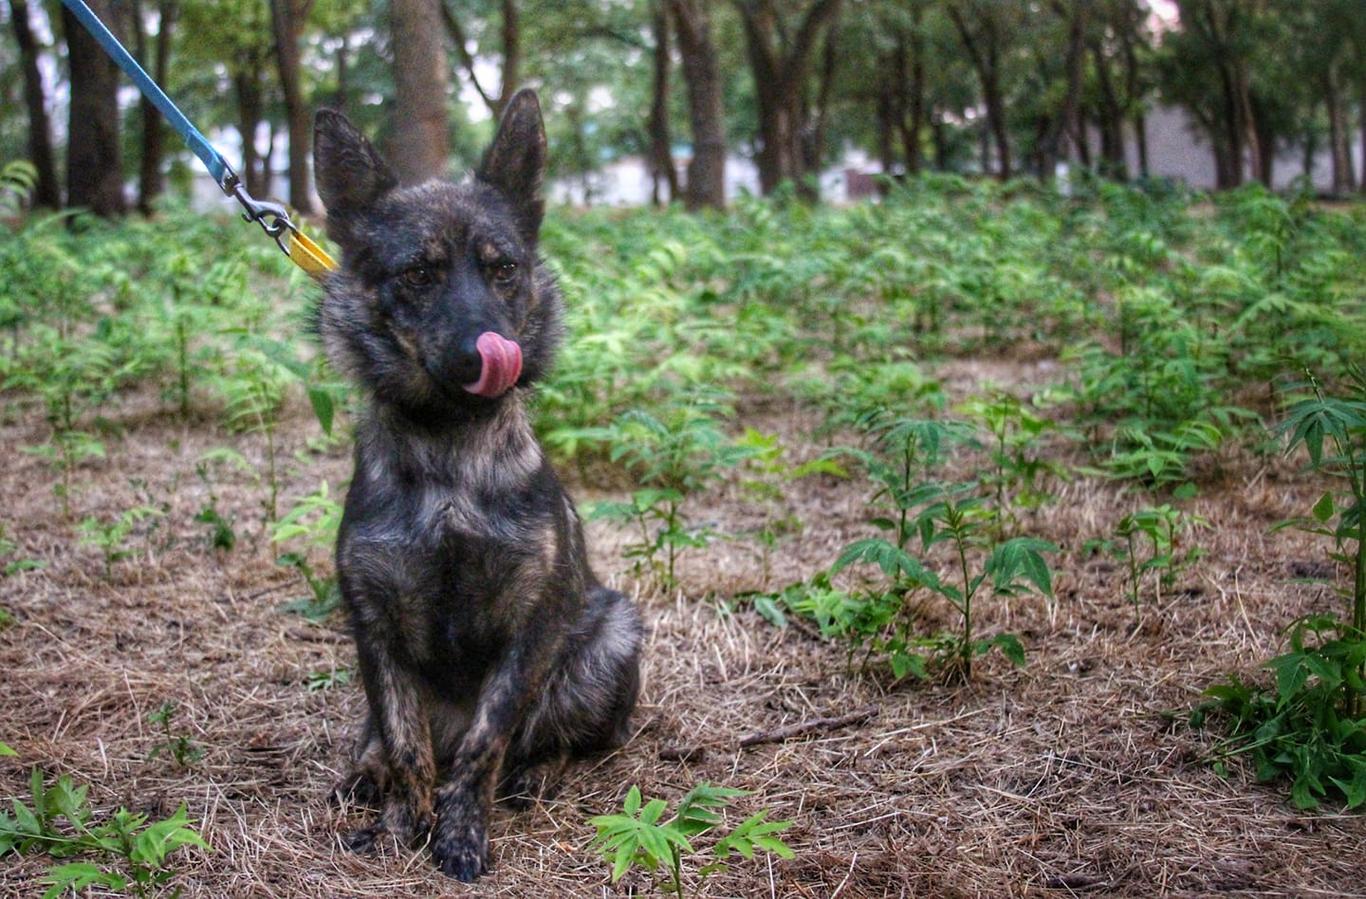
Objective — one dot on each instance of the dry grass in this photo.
(1065, 777)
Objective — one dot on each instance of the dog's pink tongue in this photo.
(501, 365)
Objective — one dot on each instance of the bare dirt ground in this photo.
(1062, 778)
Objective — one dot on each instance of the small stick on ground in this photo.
(811, 725)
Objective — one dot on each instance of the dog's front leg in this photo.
(400, 715)
(460, 840)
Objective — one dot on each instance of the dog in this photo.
(487, 647)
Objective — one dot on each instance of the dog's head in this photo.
(440, 306)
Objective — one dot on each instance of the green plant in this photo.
(178, 746)
(111, 535)
(1013, 480)
(128, 852)
(221, 533)
(674, 455)
(18, 178)
(13, 563)
(324, 595)
(1009, 568)
(325, 680)
(314, 520)
(1310, 726)
(254, 384)
(639, 837)
(1162, 527)
(909, 507)
(64, 452)
(767, 473)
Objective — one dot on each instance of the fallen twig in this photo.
(811, 725)
(697, 751)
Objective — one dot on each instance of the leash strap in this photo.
(272, 217)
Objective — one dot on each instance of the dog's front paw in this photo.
(363, 839)
(359, 788)
(463, 857)
(460, 843)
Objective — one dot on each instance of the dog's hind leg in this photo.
(587, 703)
(364, 783)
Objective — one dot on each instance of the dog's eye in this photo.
(417, 277)
(504, 270)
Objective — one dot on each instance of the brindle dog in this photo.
(486, 644)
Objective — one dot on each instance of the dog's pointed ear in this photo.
(515, 162)
(349, 171)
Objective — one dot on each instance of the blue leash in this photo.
(272, 217)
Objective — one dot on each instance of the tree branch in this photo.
(817, 15)
(461, 48)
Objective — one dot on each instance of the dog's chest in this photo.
(438, 566)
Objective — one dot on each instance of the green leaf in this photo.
(770, 611)
(894, 562)
(77, 876)
(37, 792)
(652, 810)
(1323, 509)
(1011, 648)
(622, 862)
(162, 838)
(323, 407)
(7, 752)
(25, 822)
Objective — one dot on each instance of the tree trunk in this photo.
(1337, 134)
(287, 20)
(267, 170)
(94, 160)
(1141, 141)
(1066, 122)
(813, 136)
(984, 51)
(706, 110)
(247, 87)
(1309, 147)
(1257, 152)
(886, 123)
(996, 117)
(1264, 155)
(911, 131)
(1361, 95)
(941, 142)
(1226, 170)
(662, 173)
(1113, 163)
(419, 146)
(150, 182)
(1233, 132)
(984, 145)
(47, 191)
(779, 74)
(1081, 142)
(343, 72)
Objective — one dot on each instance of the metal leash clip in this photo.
(272, 217)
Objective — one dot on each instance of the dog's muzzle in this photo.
(500, 365)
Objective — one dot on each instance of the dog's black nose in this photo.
(465, 363)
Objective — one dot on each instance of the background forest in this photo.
(1003, 86)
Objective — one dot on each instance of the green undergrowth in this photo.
(1177, 328)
